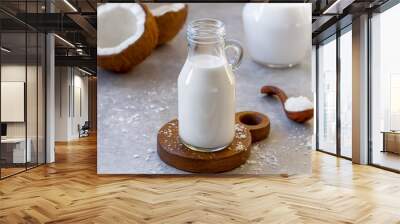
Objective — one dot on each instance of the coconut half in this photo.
(170, 19)
(126, 34)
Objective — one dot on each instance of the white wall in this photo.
(70, 84)
(80, 110)
(10, 73)
(14, 73)
(33, 126)
(62, 81)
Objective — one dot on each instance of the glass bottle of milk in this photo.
(206, 87)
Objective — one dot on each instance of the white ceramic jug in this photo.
(277, 34)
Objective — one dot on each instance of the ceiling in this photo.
(332, 15)
(72, 20)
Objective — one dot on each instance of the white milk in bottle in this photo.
(206, 91)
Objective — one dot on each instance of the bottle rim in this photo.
(206, 31)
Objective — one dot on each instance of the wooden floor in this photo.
(388, 159)
(5, 172)
(69, 191)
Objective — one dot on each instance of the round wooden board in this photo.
(174, 153)
(257, 123)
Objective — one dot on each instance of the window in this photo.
(385, 89)
(22, 101)
(334, 137)
(327, 96)
(346, 75)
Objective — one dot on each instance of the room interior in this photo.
(22, 101)
(385, 90)
(25, 92)
(334, 89)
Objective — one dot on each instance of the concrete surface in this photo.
(132, 107)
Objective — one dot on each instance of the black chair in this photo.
(84, 130)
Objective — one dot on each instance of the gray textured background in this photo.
(132, 107)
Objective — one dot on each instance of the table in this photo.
(18, 149)
(391, 141)
(132, 107)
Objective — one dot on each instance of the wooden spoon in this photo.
(297, 116)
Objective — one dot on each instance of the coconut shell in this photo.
(170, 23)
(136, 52)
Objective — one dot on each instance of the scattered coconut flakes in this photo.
(239, 127)
(132, 118)
(251, 162)
(256, 147)
(271, 159)
(299, 103)
(167, 132)
(239, 146)
(159, 109)
(240, 131)
(117, 109)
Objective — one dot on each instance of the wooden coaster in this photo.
(257, 123)
(174, 153)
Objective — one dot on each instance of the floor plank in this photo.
(70, 191)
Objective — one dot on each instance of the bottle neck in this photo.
(206, 37)
(214, 49)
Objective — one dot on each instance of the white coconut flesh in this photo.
(118, 26)
(161, 10)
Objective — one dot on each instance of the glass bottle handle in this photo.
(236, 59)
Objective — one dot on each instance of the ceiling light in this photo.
(79, 51)
(70, 5)
(337, 7)
(84, 71)
(5, 50)
(331, 7)
(65, 41)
